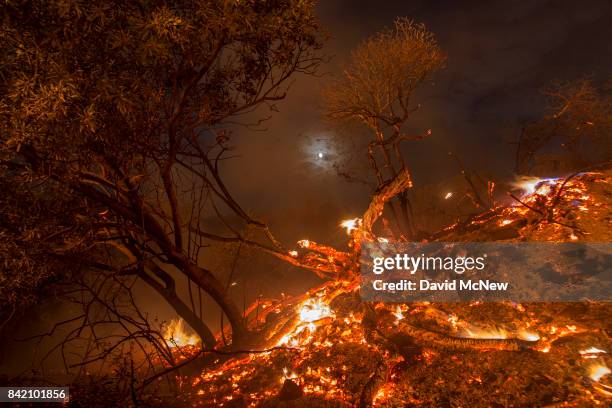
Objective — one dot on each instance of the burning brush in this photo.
(328, 348)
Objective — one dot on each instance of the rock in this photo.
(290, 391)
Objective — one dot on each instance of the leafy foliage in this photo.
(41, 228)
(114, 117)
(377, 85)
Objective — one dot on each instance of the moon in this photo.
(319, 151)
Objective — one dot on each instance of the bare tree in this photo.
(577, 119)
(376, 90)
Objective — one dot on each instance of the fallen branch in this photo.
(525, 204)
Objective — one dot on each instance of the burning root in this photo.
(446, 341)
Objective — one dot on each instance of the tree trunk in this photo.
(214, 288)
(169, 294)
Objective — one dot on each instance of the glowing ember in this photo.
(453, 320)
(448, 195)
(598, 371)
(382, 395)
(350, 225)
(313, 310)
(293, 253)
(398, 314)
(304, 243)
(287, 375)
(175, 335)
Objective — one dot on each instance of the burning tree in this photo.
(116, 118)
(376, 90)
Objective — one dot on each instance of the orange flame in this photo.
(175, 335)
(351, 224)
(313, 310)
(529, 184)
(598, 371)
(591, 352)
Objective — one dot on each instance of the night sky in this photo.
(500, 55)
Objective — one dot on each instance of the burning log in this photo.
(443, 340)
(400, 183)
